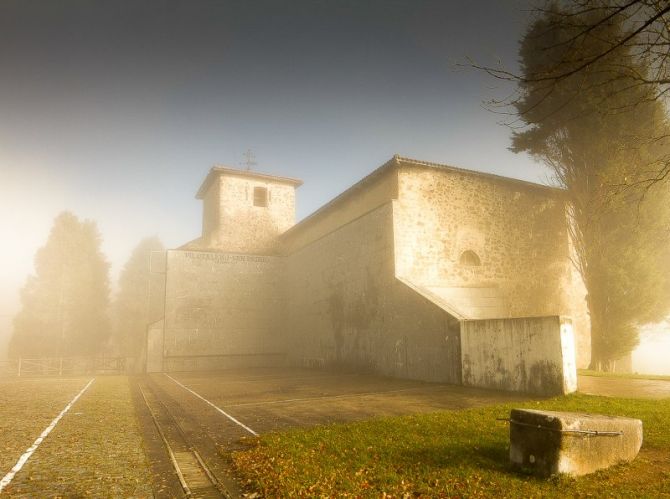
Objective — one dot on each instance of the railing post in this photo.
(60, 367)
(19, 375)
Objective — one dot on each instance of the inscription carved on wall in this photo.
(224, 258)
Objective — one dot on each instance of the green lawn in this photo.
(447, 454)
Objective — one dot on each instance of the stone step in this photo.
(550, 442)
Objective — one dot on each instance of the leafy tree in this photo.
(589, 44)
(64, 305)
(598, 136)
(140, 299)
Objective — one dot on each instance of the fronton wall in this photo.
(222, 310)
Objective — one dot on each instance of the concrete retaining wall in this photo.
(532, 355)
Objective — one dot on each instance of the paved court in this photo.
(624, 387)
(260, 400)
(265, 400)
(214, 410)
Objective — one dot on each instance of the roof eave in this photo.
(398, 161)
(501, 178)
(389, 165)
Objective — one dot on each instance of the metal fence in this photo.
(62, 366)
(8, 368)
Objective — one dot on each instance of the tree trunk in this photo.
(598, 359)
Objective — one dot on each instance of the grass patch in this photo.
(600, 374)
(27, 406)
(448, 454)
(94, 451)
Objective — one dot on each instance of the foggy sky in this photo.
(116, 110)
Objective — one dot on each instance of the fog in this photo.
(121, 129)
(123, 133)
(652, 356)
(5, 332)
(274, 247)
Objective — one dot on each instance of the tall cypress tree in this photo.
(600, 136)
(64, 305)
(139, 300)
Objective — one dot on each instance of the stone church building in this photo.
(419, 270)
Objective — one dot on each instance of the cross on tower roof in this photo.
(250, 159)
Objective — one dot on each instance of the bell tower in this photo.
(245, 211)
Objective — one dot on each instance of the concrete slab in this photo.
(550, 442)
(272, 399)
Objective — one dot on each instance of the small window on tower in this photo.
(260, 196)
(469, 258)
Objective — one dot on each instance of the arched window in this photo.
(260, 196)
(469, 258)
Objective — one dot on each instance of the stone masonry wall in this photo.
(223, 307)
(211, 211)
(232, 223)
(343, 294)
(346, 308)
(518, 232)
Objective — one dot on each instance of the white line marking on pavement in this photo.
(26, 455)
(214, 406)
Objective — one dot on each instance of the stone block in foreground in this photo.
(549, 442)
